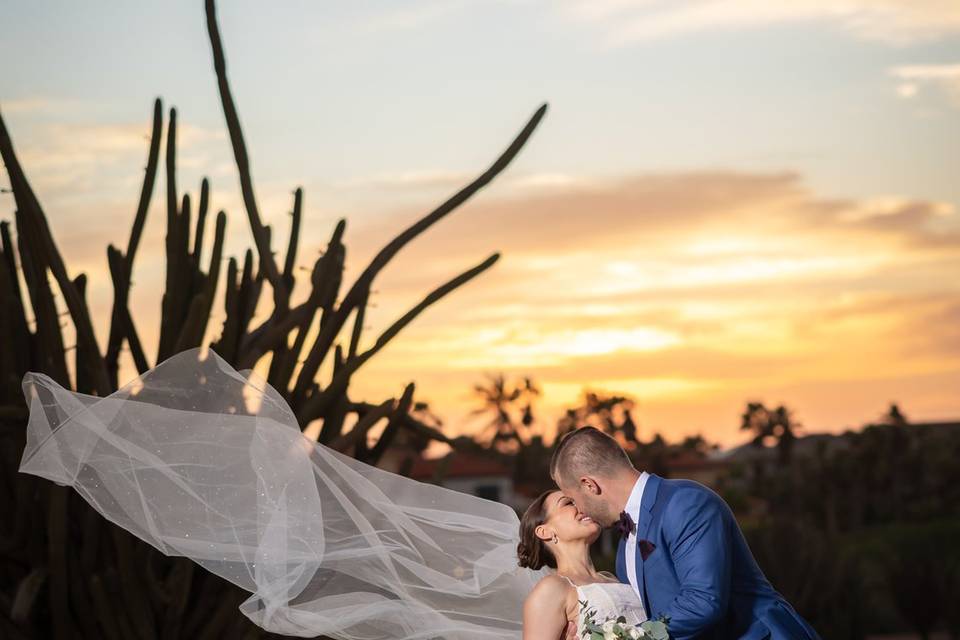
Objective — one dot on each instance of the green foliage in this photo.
(657, 629)
(884, 474)
(859, 534)
(618, 629)
(819, 576)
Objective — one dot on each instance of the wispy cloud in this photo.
(891, 21)
(426, 181)
(944, 77)
(704, 218)
(102, 159)
(412, 15)
(40, 106)
(690, 290)
(409, 180)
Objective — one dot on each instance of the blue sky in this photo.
(365, 87)
(762, 114)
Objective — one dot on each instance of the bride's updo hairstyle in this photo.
(532, 552)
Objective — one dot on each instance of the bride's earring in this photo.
(555, 539)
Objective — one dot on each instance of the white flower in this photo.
(608, 632)
(635, 633)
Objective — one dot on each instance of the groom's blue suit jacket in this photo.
(701, 573)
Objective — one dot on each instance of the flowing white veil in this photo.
(205, 462)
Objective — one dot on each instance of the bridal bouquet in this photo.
(618, 629)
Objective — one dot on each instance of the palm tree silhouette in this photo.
(771, 427)
(612, 414)
(894, 416)
(511, 407)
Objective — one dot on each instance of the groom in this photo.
(683, 552)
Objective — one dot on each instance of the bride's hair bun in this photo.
(523, 555)
(532, 552)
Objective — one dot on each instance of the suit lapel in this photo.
(622, 560)
(643, 527)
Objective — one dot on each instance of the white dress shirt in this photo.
(633, 508)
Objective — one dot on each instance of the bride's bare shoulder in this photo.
(550, 607)
(551, 588)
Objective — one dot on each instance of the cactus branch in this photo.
(281, 295)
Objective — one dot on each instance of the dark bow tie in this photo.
(626, 526)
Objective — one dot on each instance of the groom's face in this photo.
(587, 494)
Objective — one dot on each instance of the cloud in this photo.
(906, 90)
(669, 231)
(943, 77)
(439, 182)
(601, 208)
(29, 107)
(892, 21)
(101, 159)
(409, 180)
(410, 16)
(694, 291)
(671, 285)
(927, 72)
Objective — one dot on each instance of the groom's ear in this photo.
(590, 485)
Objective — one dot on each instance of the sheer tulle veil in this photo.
(206, 462)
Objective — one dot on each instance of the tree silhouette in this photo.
(698, 444)
(774, 427)
(612, 414)
(894, 417)
(510, 405)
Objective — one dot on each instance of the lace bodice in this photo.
(609, 600)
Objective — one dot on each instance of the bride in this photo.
(202, 461)
(553, 532)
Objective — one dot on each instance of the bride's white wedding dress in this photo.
(202, 461)
(608, 600)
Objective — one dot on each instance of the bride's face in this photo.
(567, 521)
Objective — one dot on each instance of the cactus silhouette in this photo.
(73, 574)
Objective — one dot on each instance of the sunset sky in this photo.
(728, 201)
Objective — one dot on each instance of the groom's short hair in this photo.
(587, 451)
